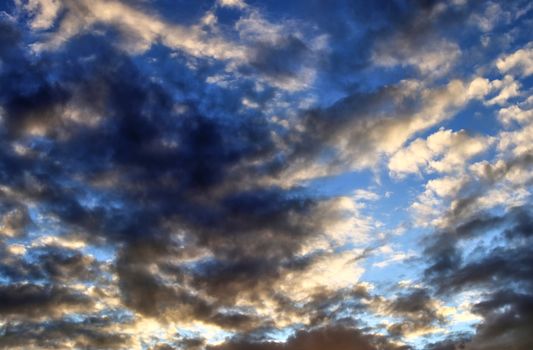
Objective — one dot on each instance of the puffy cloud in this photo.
(515, 113)
(232, 3)
(508, 88)
(140, 29)
(418, 310)
(329, 272)
(44, 12)
(519, 62)
(479, 87)
(363, 127)
(443, 151)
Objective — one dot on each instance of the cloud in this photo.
(159, 174)
(333, 337)
(500, 302)
(418, 310)
(519, 62)
(492, 15)
(139, 29)
(431, 58)
(252, 234)
(509, 88)
(283, 60)
(43, 12)
(232, 3)
(442, 151)
(361, 128)
(15, 221)
(35, 301)
(91, 333)
(515, 113)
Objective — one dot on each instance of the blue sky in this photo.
(266, 175)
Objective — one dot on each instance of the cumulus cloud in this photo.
(443, 151)
(43, 12)
(519, 62)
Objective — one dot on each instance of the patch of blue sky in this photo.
(42, 222)
(480, 246)
(212, 335)
(44, 225)
(397, 196)
(283, 333)
(476, 118)
(385, 280)
(102, 253)
(341, 184)
(5, 280)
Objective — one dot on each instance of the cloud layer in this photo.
(231, 175)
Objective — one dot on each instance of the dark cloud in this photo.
(183, 343)
(456, 342)
(417, 310)
(503, 272)
(50, 263)
(33, 300)
(14, 220)
(449, 268)
(172, 174)
(90, 333)
(339, 338)
(282, 60)
(67, 265)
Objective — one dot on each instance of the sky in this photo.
(266, 175)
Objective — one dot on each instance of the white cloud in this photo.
(387, 135)
(508, 88)
(43, 12)
(392, 256)
(344, 224)
(444, 151)
(329, 272)
(519, 142)
(520, 62)
(430, 205)
(490, 18)
(232, 3)
(447, 186)
(515, 113)
(434, 58)
(479, 88)
(365, 195)
(140, 29)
